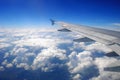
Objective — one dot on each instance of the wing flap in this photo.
(85, 39)
(113, 69)
(112, 54)
(64, 30)
(115, 47)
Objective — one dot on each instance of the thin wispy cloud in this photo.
(116, 24)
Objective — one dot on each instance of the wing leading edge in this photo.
(108, 37)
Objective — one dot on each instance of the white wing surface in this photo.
(108, 37)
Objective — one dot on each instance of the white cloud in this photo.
(41, 42)
(23, 65)
(9, 65)
(5, 62)
(20, 59)
(2, 68)
(76, 77)
(106, 75)
(30, 54)
(43, 59)
(3, 40)
(4, 45)
(19, 51)
(32, 39)
(77, 45)
(104, 62)
(6, 55)
(78, 62)
(98, 47)
(116, 24)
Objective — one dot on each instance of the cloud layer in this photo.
(46, 50)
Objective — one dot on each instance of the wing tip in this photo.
(52, 21)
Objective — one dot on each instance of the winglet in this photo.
(52, 21)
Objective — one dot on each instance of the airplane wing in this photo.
(113, 67)
(108, 37)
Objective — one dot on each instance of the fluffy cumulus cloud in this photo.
(106, 62)
(49, 51)
(1, 68)
(43, 59)
(81, 65)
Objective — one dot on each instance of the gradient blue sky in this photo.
(22, 13)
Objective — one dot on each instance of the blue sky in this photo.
(22, 13)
